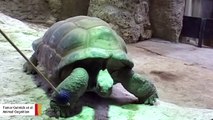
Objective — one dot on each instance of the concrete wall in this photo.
(199, 8)
(207, 8)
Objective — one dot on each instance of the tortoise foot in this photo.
(57, 110)
(150, 100)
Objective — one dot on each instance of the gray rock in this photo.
(26, 10)
(166, 18)
(128, 17)
(62, 9)
(55, 6)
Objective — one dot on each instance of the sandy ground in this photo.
(183, 75)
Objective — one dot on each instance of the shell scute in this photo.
(79, 38)
(72, 41)
(59, 33)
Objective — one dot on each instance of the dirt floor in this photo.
(182, 73)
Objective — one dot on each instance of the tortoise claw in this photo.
(28, 68)
(151, 100)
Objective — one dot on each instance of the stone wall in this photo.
(43, 11)
(30, 10)
(166, 18)
(129, 18)
(133, 20)
(62, 9)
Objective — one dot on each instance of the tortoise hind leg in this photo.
(28, 68)
(70, 90)
(136, 84)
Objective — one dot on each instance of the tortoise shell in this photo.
(78, 38)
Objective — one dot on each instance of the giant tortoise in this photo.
(82, 54)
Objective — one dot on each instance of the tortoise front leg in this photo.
(138, 85)
(69, 90)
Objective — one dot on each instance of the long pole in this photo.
(34, 67)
